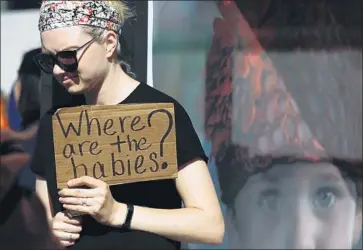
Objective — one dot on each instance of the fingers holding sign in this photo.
(66, 229)
(96, 201)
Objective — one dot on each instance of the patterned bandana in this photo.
(59, 14)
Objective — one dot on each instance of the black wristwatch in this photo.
(129, 215)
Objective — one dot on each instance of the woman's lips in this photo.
(65, 78)
(68, 80)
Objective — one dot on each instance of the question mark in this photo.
(164, 165)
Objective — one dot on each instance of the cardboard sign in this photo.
(116, 144)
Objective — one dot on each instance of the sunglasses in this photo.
(66, 60)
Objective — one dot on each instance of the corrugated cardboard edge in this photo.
(126, 107)
(156, 178)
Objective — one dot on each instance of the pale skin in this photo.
(200, 221)
(299, 206)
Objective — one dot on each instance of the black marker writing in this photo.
(71, 126)
(167, 132)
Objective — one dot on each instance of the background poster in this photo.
(274, 90)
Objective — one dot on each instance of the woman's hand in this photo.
(96, 201)
(66, 229)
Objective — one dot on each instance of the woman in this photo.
(75, 35)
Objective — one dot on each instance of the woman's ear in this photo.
(111, 40)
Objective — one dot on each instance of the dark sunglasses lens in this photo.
(67, 60)
(45, 62)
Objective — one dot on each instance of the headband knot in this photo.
(60, 14)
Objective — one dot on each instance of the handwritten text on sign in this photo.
(117, 144)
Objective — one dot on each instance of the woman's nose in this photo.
(57, 70)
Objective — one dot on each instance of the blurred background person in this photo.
(23, 224)
(283, 113)
(12, 108)
(26, 105)
(28, 90)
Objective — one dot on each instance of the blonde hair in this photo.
(124, 12)
(122, 9)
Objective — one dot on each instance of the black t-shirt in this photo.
(153, 194)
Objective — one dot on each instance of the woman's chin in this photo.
(74, 89)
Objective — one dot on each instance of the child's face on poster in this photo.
(306, 206)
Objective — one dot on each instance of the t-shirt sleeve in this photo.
(187, 142)
(43, 146)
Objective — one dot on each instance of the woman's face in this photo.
(306, 206)
(93, 59)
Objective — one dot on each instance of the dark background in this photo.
(23, 4)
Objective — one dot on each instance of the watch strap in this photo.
(129, 215)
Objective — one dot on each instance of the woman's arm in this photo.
(41, 190)
(201, 220)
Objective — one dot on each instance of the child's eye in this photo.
(269, 199)
(325, 198)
